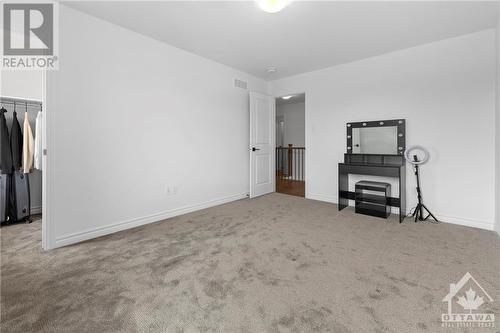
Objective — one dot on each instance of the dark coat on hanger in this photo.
(5, 152)
(16, 143)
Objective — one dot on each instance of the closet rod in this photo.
(20, 101)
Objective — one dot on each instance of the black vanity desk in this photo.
(373, 165)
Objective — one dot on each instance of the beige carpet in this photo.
(273, 264)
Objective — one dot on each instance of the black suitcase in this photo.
(20, 198)
(5, 180)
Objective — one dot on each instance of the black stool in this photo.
(372, 198)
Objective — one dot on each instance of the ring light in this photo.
(412, 157)
(410, 152)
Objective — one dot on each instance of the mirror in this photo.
(376, 137)
(375, 140)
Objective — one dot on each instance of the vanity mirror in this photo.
(385, 137)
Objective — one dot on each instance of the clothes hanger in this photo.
(3, 110)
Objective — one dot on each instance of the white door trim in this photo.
(48, 140)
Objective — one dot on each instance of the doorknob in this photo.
(255, 149)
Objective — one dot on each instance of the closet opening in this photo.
(21, 165)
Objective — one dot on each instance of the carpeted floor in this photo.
(273, 264)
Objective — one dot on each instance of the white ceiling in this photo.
(305, 36)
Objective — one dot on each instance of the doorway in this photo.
(290, 144)
(23, 197)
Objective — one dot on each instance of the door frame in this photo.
(48, 237)
(306, 141)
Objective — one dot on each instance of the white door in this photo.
(262, 144)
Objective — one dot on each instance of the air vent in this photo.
(240, 84)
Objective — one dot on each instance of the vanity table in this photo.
(375, 148)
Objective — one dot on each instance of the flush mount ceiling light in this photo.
(287, 97)
(272, 6)
(272, 70)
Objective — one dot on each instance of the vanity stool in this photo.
(372, 198)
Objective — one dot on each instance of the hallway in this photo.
(290, 145)
(291, 187)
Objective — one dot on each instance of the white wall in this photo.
(131, 116)
(294, 116)
(22, 84)
(498, 127)
(27, 85)
(446, 92)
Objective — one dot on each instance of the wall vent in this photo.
(240, 84)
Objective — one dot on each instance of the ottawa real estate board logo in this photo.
(30, 39)
(466, 301)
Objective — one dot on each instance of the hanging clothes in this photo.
(38, 140)
(5, 169)
(5, 152)
(28, 145)
(16, 143)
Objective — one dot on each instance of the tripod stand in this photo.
(418, 214)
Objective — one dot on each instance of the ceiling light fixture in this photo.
(272, 6)
(272, 70)
(287, 97)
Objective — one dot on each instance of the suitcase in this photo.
(20, 197)
(4, 197)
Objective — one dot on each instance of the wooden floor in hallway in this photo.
(291, 187)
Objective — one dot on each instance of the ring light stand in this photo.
(418, 214)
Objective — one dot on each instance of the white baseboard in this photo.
(135, 222)
(128, 224)
(322, 197)
(487, 225)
